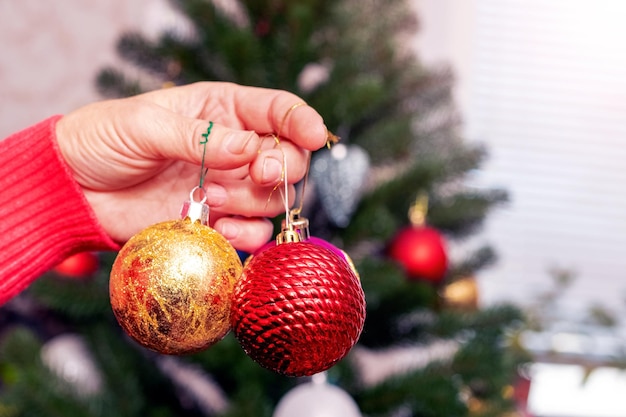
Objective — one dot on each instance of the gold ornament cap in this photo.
(419, 210)
(294, 229)
(196, 211)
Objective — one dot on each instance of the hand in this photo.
(137, 159)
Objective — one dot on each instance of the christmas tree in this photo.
(391, 194)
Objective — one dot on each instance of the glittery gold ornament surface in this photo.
(171, 286)
(461, 294)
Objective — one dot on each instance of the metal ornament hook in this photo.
(196, 210)
(419, 210)
(294, 229)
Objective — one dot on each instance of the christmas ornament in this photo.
(171, 284)
(82, 264)
(70, 359)
(312, 76)
(461, 294)
(299, 307)
(317, 398)
(339, 174)
(300, 226)
(420, 249)
(521, 390)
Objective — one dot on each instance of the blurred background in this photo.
(540, 84)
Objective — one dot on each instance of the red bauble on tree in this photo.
(82, 264)
(420, 249)
(300, 226)
(298, 308)
(422, 253)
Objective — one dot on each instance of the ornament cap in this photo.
(196, 210)
(287, 236)
(297, 224)
(419, 210)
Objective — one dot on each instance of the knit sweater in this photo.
(44, 216)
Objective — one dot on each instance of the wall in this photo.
(541, 84)
(51, 52)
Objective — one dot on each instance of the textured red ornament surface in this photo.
(316, 241)
(298, 308)
(422, 252)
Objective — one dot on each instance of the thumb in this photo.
(172, 136)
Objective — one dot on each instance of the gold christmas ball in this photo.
(171, 286)
(461, 294)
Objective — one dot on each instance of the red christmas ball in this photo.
(298, 308)
(316, 241)
(422, 253)
(82, 264)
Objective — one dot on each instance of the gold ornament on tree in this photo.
(171, 284)
(461, 294)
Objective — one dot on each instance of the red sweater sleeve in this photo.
(44, 216)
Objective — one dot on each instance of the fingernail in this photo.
(272, 170)
(229, 230)
(236, 142)
(215, 194)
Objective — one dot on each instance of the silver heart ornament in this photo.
(339, 174)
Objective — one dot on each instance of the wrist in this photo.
(45, 214)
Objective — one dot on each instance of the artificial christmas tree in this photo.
(399, 139)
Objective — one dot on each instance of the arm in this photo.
(95, 177)
(44, 216)
(138, 158)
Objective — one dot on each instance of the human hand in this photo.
(138, 158)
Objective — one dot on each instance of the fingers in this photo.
(262, 110)
(286, 159)
(159, 133)
(246, 234)
(173, 137)
(241, 198)
(282, 113)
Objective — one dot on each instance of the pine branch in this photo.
(475, 261)
(112, 83)
(76, 299)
